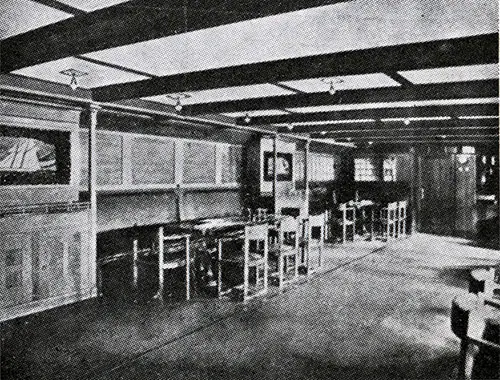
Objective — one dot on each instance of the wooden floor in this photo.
(376, 311)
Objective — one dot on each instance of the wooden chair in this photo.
(284, 247)
(402, 215)
(308, 242)
(173, 253)
(261, 213)
(389, 220)
(256, 258)
(348, 221)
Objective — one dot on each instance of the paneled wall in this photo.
(44, 262)
(128, 161)
(137, 175)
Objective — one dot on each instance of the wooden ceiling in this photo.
(112, 39)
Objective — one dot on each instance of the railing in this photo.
(44, 208)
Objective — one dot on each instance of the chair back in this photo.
(257, 232)
(392, 210)
(402, 206)
(289, 224)
(289, 230)
(317, 220)
(261, 213)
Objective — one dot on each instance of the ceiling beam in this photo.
(454, 90)
(60, 6)
(378, 113)
(381, 126)
(399, 78)
(131, 22)
(487, 137)
(443, 142)
(450, 52)
(391, 133)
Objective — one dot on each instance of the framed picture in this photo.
(284, 166)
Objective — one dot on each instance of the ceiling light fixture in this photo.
(74, 74)
(178, 97)
(247, 118)
(370, 142)
(407, 121)
(323, 133)
(332, 89)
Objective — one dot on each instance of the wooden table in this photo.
(476, 321)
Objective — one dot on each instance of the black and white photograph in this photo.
(218, 190)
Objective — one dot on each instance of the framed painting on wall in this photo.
(284, 166)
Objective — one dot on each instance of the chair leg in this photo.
(219, 269)
(159, 295)
(245, 272)
(135, 267)
(266, 264)
(322, 239)
(188, 270)
(297, 263)
(280, 265)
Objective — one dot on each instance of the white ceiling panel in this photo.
(20, 16)
(348, 82)
(224, 94)
(420, 103)
(452, 74)
(91, 5)
(97, 75)
(351, 25)
(256, 113)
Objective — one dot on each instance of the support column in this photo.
(275, 173)
(306, 178)
(96, 289)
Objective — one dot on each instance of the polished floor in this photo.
(377, 311)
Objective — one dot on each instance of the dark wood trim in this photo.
(399, 78)
(60, 6)
(379, 113)
(391, 133)
(113, 66)
(460, 51)
(399, 126)
(456, 90)
(131, 22)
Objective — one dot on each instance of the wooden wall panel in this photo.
(109, 159)
(126, 210)
(45, 262)
(199, 163)
(84, 159)
(208, 204)
(153, 161)
(231, 162)
(404, 168)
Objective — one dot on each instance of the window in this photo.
(364, 170)
(390, 169)
(34, 157)
(322, 168)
